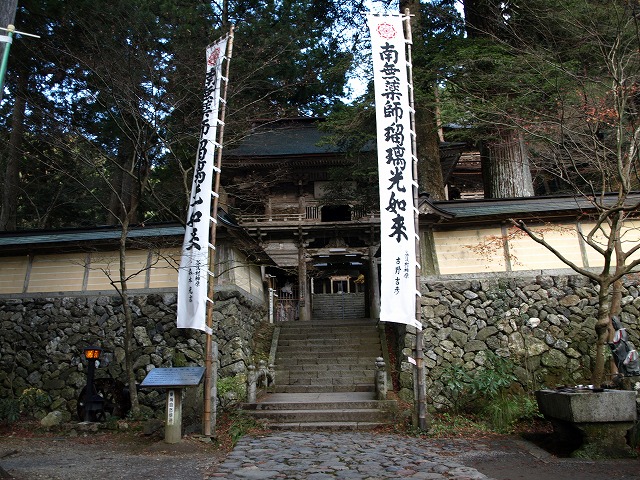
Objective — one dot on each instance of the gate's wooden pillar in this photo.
(374, 285)
(304, 302)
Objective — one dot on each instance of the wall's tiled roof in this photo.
(526, 206)
(86, 235)
(101, 234)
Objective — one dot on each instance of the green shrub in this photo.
(447, 425)
(232, 390)
(9, 410)
(504, 411)
(28, 403)
(494, 377)
(457, 385)
(33, 399)
(471, 390)
(241, 424)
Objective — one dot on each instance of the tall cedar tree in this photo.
(503, 150)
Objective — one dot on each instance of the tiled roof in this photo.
(295, 139)
(103, 233)
(529, 206)
(301, 137)
(85, 235)
(58, 241)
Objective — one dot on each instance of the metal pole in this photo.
(210, 384)
(421, 404)
(8, 40)
(88, 394)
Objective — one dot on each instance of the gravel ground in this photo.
(105, 456)
(324, 455)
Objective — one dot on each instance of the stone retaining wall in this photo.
(463, 319)
(42, 340)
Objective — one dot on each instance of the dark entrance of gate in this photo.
(333, 297)
(339, 296)
(340, 283)
(337, 286)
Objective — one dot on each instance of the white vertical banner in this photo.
(194, 263)
(395, 171)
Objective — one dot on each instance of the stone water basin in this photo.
(600, 417)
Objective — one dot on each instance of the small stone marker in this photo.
(173, 380)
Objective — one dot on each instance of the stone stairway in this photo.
(345, 306)
(327, 356)
(325, 378)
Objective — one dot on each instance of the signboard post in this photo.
(173, 380)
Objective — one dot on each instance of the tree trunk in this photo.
(7, 15)
(602, 332)
(430, 178)
(505, 166)
(128, 341)
(481, 17)
(505, 163)
(616, 293)
(8, 214)
(128, 181)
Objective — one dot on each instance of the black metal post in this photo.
(88, 394)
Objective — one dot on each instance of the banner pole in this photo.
(8, 40)
(210, 379)
(419, 353)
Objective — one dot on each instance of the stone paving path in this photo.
(331, 455)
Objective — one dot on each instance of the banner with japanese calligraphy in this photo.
(194, 263)
(395, 170)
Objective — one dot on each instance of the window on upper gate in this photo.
(335, 213)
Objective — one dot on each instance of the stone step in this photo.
(383, 405)
(327, 380)
(320, 370)
(305, 326)
(334, 319)
(327, 426)
(313, 411)
(324, 379)
(346, 323)
(331, 367)
(371, 351)
(328, 340)
(331, 338)
(325, 359)
(292, 377)
(329, 324)
(317, 388)
(307, 345)
(343, 350)
(336, 353)
(286, 363)
(321, 415)
(346, 381)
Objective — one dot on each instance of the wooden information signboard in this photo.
(173, 380)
